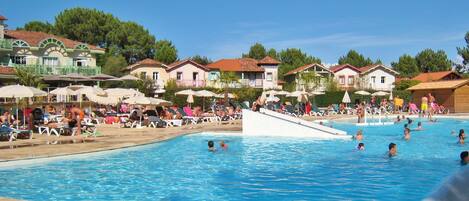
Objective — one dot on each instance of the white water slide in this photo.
(270, 123)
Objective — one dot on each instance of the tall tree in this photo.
(85, 25)
(292, 58)
(272, 53)
(430, 61)
(165, 52)
(27, 77)
(133, 41)
(406, 66)
(257, 51)
(201, 59)
(114, 65)
(226, 79)
(355, 59)
(45, 27)
(464, 53)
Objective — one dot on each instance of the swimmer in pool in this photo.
(461, 136)
(406, 126)
(223, 145)
(359, 135)
(392, 149)
(398, 119)
(419, 126)
(464, 157)
(407, 134)
(211, 146)
(361, 146)
(409, 121)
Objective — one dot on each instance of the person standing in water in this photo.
(211, 146)
(424, 106)
(223, 145)
(461, 136)
(407, 134)
(392, 149)
(359, 135)
(361, 146)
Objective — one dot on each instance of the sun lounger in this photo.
(173, 122)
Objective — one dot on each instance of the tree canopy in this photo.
(45, 27)
(201, 59)
(463, 52)
(257, 51)
(406, 66)
(430, 61)
(356, 59)
(272, 53)
(114, 65)
(292, 58)
(165, 52)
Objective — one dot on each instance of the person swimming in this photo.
(419, 126)
(464, 157)
(461, 136)
(398, 119)
(211, 146)
(361, 146)
(392, 149)
(407, 134)
(223, 145)
(359, 135)
(406, 126)
(409, 121)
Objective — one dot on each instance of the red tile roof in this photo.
(236, 65)
(435, 76)
(5, 70)
(340, 67)
(302, 68)
(178, 64)
(2, 17)
(269, 61)
(145, 63)
(34, 38)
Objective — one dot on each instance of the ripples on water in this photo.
(253, 168)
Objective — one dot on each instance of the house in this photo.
(437, 76)
(151, 69)
(377, 77)
(188, 73)
(251, 72)
(318, 82)
(45, 53)
(346, 76)
(453, 94)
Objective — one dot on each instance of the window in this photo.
(373, 79)
(50, 61)
(79, 62)
(155, 75)
(179, 76)
(143, 75)
(269, 77)
(350, 80)
(342, 80)
(195, 76)
(383, 79)
(18, 59)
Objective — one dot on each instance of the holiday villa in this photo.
(309, 77)
(44, 53)
(373, 77)
(437, 76)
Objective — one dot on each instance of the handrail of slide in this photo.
(303, 122)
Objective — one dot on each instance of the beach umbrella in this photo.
(76, 77)
(91, 90)
(363, 93)
(102, 77)
(282, 93)
(346, 98)
(142, 100)
(204, 94)
(230, 95)
(62, 93)
(20, 91)
(318, 93)
(303, 98)
(122, 93)
(104, 100)
(272, 98)
(189, 93)
(190, 99)
(390, 96)
(380, 93)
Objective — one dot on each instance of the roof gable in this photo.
(435, 76)
(268, 61)
(371, 68)
(305, 67)
(338, 68)
(146, 63)
(37, 39)
(178, 64)
(448, 84)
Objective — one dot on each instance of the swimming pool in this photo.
(253, 168)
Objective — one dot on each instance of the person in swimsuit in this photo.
(407, 134)
(211, 146)
(392, 149)
(359, 135)
(223, 145)
(361, 146)
(464, 157)
(461, 136)
(77, 115)
(424, 105)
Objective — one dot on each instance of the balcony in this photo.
(6, 44)
(190, 83)
(256, 83)
(61, 70)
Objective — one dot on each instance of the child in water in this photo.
(211, 146)
(361, 146)
(223, 145)
(407, 134)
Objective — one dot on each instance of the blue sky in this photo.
(326, 29)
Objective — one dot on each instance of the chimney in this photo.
(2, 26)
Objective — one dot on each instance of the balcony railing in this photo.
(6, 44)
(190, 83)
(61, 70)
(256, 83)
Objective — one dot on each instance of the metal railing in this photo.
(60, 70)
(256, 83)
(191, 83)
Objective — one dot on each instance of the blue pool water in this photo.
(253, 168)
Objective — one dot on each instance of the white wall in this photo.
(272, 84)
(377, 85)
